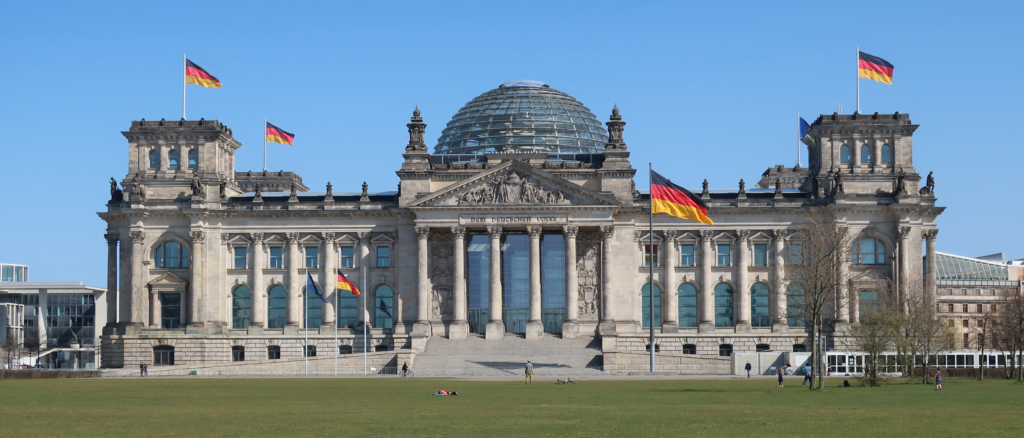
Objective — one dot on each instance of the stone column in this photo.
(422, 325)
(843, 296)
(495, 326)
(607, 325)
(294, 312)
(139, 281)
(112, 261)
(930, 279)
(742, 309)
(904, 255)
(779, 285)
(670, 297)
(196, 323)
(534, 325)
(459, 328)
(364, 272)
(571, 325)
(707, 285)
(329, 282)
(164, 164)
(876, 157)
(257, 287)
(154, 309)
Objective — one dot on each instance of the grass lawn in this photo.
(401, 407)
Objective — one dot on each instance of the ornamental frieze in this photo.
(511, 189)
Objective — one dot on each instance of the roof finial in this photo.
(416, 112)
(615, 110)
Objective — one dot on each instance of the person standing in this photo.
(747, 367)
(142, 369)
(781, 373)
(529, 372)
(807, 374)
(938, 379)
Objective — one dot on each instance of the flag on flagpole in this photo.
(875, 68)
(344, 284)
(311, 286)
(278, 135)
(194, 74)
(805, 132)
(674, 200)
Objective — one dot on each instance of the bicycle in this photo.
(407, 374)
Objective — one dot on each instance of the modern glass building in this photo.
(64, 318)
(13, 273)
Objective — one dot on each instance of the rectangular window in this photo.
(967, 340)
(685, 255)
(383, 257)
(273, 352)
(992, 308)
(979, 308)
(760, 254)
(170, 310)
(240, 257)
(311, 351)
(311, 257)
(796, 254)
(347, 259)
(950, 308)
(965, 308)
(967, 324)
(276, 260)
(724, 258)
(648, 256)
(237, 353)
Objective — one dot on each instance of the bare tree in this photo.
(11, 349)
(1008, 329)
(32, 343)
(874, 335)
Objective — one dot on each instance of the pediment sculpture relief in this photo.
(510, 189)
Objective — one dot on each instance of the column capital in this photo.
(534, 231)
(780, 234)
(328, 236)
(363, 236)
(293, 238)
(670, 235)
(138, 237)
(257, 238)
(198, 236)
(904, 232)
(570, 231)
(706, 235)
(422, 232)
(743, 235)
(494, 231)
(459, 231)
(930, 235)
(608, 231)
(112, 238)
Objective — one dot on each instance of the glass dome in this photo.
(523, 116)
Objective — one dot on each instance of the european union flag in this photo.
(310, 286)
(804, 129)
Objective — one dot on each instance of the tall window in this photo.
(277, 307)
(163, 355)
(383, 256)
(760, 254)
(276, 258)
(687, 305)
(173, 159)
(311, 257)
(869, 251)
(759, 305)
(685, 255)
(796, 253)
(171, 255)
(348, 310)
(867, 303)
(383, 307)
(886, 153)
(241, 307)
(844, 154)
(648, 301)
(723, 305)
(193, 159)
(649, 257)
(515, 282)
(478, 280)
(240, 253)
(795, 306)
(865, 154)
(313, 310)
(552, 282)
(724, 256)
(154, 159)
(347, 259)
(170, 310)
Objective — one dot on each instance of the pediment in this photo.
(167, 279)
(513, 183)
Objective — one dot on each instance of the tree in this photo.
(11, 349)
(1008, 330)
(32, 343)
(874, 336)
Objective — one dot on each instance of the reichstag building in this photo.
(523, 220)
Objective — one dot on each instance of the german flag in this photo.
(278, 135)
(195, 74)
(875, 68)
(344, 284)
(671, 199)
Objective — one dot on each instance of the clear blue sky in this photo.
(709, 90)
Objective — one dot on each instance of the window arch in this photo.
(886, 153)
(154, 159)
(795, 306)
(173, 159)
(723, 305)
(759, 305)
(384, 307)
(868, 251)
(171, 255)
(277, 307)
(241, 307)
(313, 310)
(865, 154)
(647, 301)
(687, 305)
(844, 154)
(193, 158)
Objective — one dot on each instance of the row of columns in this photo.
(876, 150)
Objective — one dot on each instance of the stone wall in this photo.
(631, 353)
(385, 362)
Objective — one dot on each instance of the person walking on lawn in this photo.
(529, 372)
(748, 369)
(938, 379)
(781, 373)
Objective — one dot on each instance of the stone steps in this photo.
(476, 356)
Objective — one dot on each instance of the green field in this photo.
(401, 407)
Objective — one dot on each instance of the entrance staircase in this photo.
(552, 357)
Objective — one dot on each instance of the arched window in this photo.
(869, 251)
(795, 306)
(193, 159)
(241, 307)
(314, 310)
(759, 316)
(865, 154)
(844, 154)
(277, 307)
(886, 153)
(154, 159)
(172, 159)
(647, 301)
(723, 305)
(687, 305)
(383, 307)
(171, 255)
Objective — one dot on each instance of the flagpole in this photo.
(799, 130)
(264, 144)
(366, 314)
(858, 80)
(305, 323)
(336, 346)
(650, 280)
(184, 73)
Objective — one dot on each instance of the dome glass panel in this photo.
(523, 116)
